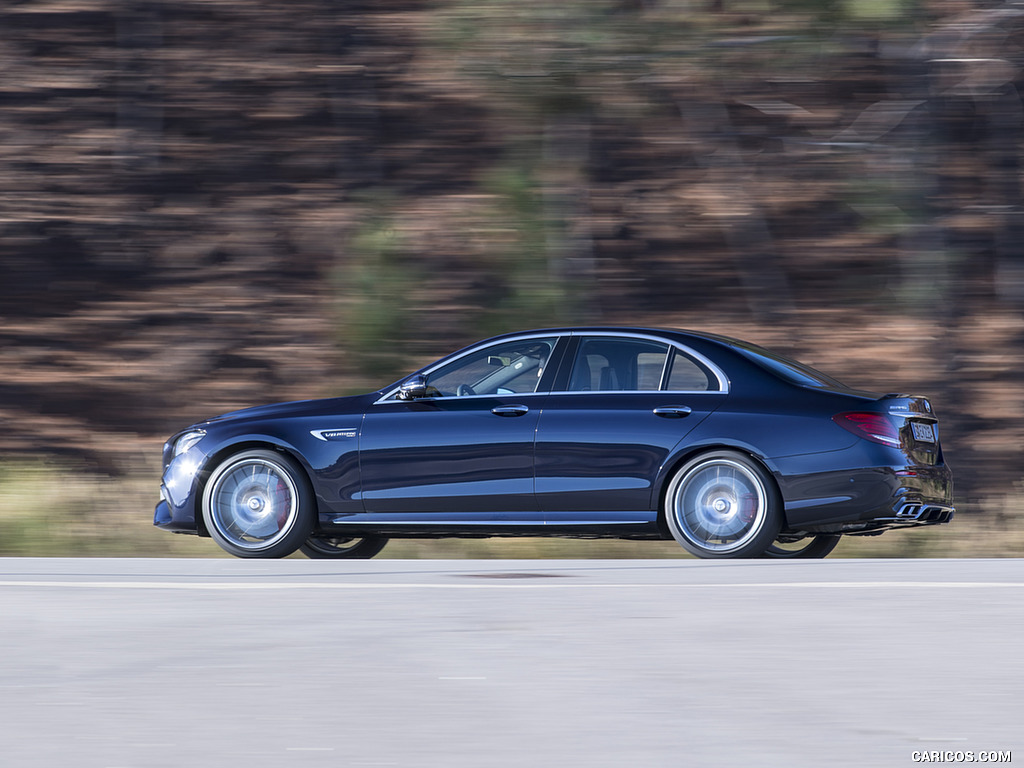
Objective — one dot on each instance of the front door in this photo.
(465, 452)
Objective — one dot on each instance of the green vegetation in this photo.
(378, 282)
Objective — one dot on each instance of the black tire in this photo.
(321, 547)
(723, 504)
(259, 503)
(811, 547)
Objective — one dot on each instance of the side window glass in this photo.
(688, 376)
(618, 365)
(649, 368)
(501, 369)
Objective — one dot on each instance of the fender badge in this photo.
(328, 435)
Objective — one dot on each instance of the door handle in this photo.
(510, 410)
(673, 411)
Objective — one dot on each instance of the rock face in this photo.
(206, 205)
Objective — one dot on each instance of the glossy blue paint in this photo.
(541, 452)
(603, 451)
(449, 455)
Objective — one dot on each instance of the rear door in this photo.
(621, 409)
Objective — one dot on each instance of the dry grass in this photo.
(48, 509)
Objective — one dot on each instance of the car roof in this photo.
(679, 333)
(654, 330)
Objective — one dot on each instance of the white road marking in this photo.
(316, 585)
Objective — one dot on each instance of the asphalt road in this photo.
(138, 663)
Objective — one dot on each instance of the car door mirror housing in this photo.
(413, 388)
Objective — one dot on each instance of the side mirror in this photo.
(413, 388)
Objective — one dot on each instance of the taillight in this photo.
(871, 426)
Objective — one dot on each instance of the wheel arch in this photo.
(673, 465)
(215, 459)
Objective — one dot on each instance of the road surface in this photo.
(139, 663)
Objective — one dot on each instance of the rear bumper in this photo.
(915, 515)
(868, 500)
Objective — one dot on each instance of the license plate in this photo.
(923, 432)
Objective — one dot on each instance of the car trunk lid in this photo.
(916, 424)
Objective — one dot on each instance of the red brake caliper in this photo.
(281, 500)
(748, 510)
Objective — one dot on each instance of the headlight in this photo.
(187, 440)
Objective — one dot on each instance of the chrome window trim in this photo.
(663, 379)
(687, 392)
(723, 381)
(469, 397)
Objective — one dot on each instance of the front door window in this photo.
(509, 368)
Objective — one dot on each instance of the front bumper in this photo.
(163, 517)
(179, 487)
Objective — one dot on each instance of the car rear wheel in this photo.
(259, 504)
(723, 505)
(809, 547)
(320, 547)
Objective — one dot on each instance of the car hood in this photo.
(356, 404)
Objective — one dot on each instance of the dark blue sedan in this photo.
(627, 433)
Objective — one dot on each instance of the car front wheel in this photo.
(723, 505)
(319, 547)
(259, 503)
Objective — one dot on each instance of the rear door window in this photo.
(687, 375)
(607, 364)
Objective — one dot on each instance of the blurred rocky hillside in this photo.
(208, 204)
